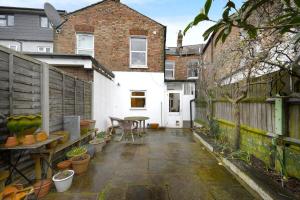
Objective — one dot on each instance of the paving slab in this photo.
(164, 165)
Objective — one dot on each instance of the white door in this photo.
(174, 117)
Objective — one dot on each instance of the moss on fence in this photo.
(259, 144)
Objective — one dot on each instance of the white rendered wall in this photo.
(87, 63)
(153, 84)
(26, 45)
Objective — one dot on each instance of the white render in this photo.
(27, 46)
(86, 63)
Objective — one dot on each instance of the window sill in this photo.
(138, 67)
(138, 108)
(192, 78)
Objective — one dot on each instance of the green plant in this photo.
(240, 155)
(100, 135)
(214, 128)
(77, 151)
(19, 124)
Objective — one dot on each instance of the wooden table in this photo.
(140, 119)
(35, 148)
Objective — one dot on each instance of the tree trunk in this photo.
(237, 129)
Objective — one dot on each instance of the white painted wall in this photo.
(152, 83)
(26, 45)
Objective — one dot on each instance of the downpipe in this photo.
(191, 113)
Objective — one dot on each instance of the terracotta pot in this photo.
(84, 127)
(11, 142)
(29, 140)
(64, 165)
(154, 126)
(41, 136)
(80, 163)
(42, 188)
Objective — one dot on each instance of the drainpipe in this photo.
(191, 112)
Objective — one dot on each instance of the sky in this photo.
(175, 14)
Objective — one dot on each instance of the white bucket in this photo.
(63, 185)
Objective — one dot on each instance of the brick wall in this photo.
(181, 64)
(112, 24)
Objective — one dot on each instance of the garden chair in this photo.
(128, 127)
(115, 124)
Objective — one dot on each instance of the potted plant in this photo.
(77, 151)
(98, 142)
(63, 180)
(42, 188)
(80, 163)
(64, 165)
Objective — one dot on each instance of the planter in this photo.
(29, 140)
(63, 180)
(154, 126)
(64, 165)
(80, 163)
(78, 151)
(41, 136)
(107, 138)
(84, 127)
(98, 144)
(11, 142)
(42, 188)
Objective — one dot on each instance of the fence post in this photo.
(11, 82)
(45, 97)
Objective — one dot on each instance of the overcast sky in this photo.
(175, 14)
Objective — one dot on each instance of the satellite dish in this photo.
(53, 15)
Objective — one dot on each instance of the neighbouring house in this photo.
(181, 73)
(26, 29)
(132, 46)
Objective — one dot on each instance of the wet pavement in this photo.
(163, 165)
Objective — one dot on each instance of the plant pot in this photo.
(11, 142)
(63, 183)
(80, 163)
(98, 144)
(107, 138)
(79, 151)
(84, 127)
(41, 136)
(64, 165)
(65, 134)
(154, 126)
(29, 140)
(42, 188)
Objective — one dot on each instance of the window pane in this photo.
(138, 44)
(2, 16)
(169, 74)
(174, 102)
(170, 65)
(138, 102)
(10, 20)
(85, 42)
(192, 72)
(2, 22)
(138, 58)
(48, 50)
(189, 89)
(137, 93)
(14, 47)
(44, 22)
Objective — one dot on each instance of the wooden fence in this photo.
(28, 86)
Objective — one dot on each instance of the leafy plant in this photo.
(100, 135)
(76, 151)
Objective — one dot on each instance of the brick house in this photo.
(132, 46)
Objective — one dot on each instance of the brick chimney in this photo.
(179, 42)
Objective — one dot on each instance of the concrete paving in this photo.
(162, 165)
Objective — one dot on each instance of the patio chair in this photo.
(128, 127)
(113, 124)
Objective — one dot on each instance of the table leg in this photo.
(49, 171)
(37, 167)
(144, 126)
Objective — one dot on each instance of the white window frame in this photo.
(13, 47)
(137, 97)
(174, 65)
(146, 53)
(44, 49)
(6, 16)
(188, 69)
(84, 34)
(48, 22)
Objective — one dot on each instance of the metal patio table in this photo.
(141, 120)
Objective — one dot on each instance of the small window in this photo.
(85, 44)
(45, 23)
(13, 47)
(44, 49)
(7, 20)
(138, 52)
(170, 70)
(193, 69)
(138, 99)
(189, 89)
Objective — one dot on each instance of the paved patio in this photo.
(167, 165)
